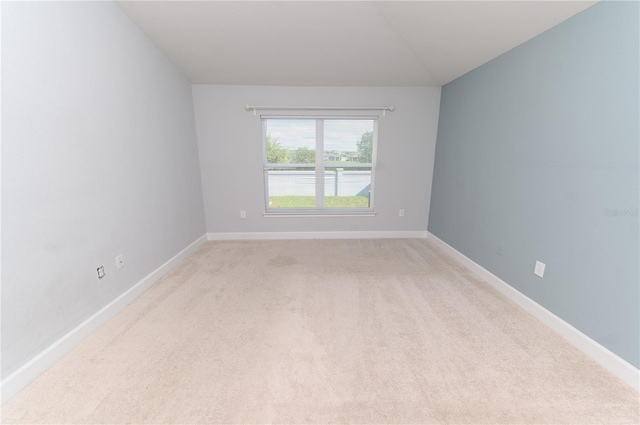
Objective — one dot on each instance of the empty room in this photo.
(329, 212)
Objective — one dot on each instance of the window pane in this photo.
(290, 141)
(347, 187)
(348, 141)
(292, 188)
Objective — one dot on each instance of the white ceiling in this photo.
(340, 43)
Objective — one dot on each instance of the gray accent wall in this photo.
(537, 153)
(99, 158)
(231, 155)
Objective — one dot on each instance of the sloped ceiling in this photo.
(340, 43)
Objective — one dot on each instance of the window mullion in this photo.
(319, 163)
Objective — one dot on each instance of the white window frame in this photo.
(319, 166)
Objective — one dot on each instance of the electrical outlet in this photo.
(539, 269)
(499, 250)
(120, 261)
(101, 272)
(401, 213)
(243, 214)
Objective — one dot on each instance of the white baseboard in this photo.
(40, 363)
(232, 236)
(611, 361)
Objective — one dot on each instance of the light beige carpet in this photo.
(348, 331)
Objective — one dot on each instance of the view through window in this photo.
(319, 163)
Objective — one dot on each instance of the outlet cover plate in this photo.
(539, 269)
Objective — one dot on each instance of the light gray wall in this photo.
(536, 151)
(230, 145)
(99, 158)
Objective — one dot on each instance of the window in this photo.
(319, 165)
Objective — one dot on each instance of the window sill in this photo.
(340, 213)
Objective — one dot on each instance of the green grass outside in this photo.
(310, 202)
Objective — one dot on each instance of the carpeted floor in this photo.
(344, 331)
